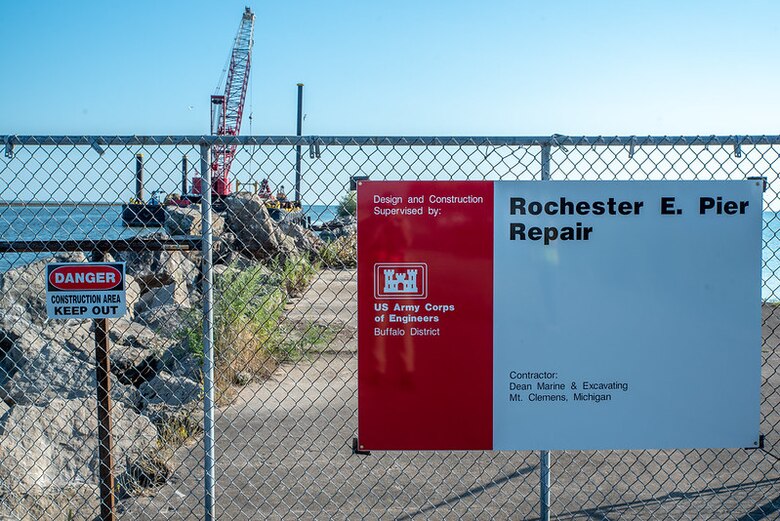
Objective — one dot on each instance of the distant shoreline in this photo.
(40, 204)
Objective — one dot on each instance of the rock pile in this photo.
(338, 227)
(48, 438)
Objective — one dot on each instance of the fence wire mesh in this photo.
(285, 346)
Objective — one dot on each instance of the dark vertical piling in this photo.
(298, 131)
(184, 168)
(139, 177)
(105, 441)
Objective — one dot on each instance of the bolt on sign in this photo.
(559, 315)
(79, 290)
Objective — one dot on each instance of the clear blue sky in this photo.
(401, 67)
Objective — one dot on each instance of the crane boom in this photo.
(227, 109)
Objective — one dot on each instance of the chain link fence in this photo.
(283, 317)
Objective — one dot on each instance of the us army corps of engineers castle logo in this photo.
(400, 280)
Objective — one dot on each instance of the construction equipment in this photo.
(227, 109)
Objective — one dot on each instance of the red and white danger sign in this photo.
(85, 290)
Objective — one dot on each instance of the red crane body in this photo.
(228, 108)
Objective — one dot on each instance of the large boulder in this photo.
(169, 295)
(170, 390)
(20, 340)
(55, 372)
(23, 289)
(187, 221)
(56, 444)
(167, 320)
(134, 334)
(224, 249)
(135, 350)
(79, 500)
(132, 294)
(338, 227)
(152, 269)
(305, 240)
(257, 233)
(179, 361)
(173, 403)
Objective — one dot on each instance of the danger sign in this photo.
(85, 290)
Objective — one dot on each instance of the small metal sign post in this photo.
(105, 441)
(93, 290)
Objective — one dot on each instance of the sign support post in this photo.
(544, 456)
(105, 441)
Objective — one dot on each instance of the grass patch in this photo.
(340, 253)
(248, 306)
(311, 338)
(295, 275)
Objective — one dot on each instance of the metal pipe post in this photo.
(105, 441)
(544, 485)
(298, 132)
(208, 337)
(139, 177)
(545, 162)
(544, 456)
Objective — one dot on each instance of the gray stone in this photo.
(132, 294)
(224, 249)
(4, 408)
(74, 502)
(257, 234)
(187, 221)
(138, 335)
(338, 227)
(130, 342)
(170, 390)
(166, 321)
(180, 362)
(56, 445)
(305, 240)
(55, 372)
(152, 269)
(173, 402)
(23, 289)
(169, 295)
(20, 340)
(287, 249)
(80, 339)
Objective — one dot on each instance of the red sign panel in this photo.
(85, 277)
(425, 279)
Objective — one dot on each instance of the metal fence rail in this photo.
(238, 309)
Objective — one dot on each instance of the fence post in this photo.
(208, 335)
(544, 456)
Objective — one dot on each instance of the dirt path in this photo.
(284, 452)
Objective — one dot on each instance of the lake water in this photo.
(80, 222)
(83, 222)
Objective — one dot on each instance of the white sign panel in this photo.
(85, 290)
(627, 315)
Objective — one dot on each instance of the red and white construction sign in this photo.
(558, 315)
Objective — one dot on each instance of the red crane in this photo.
(228, 108)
